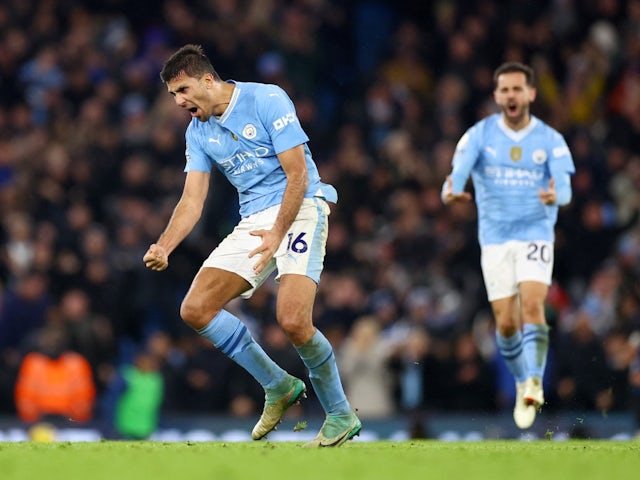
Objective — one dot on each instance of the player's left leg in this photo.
(299, 263)
(535, 339)
(294, 312)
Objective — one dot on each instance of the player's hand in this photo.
(548, 197)
(156, 258)
(450, 197)
(267, 249)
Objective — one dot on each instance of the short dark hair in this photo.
(511, 67)
(190, 60)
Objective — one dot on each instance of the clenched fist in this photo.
(156, 258)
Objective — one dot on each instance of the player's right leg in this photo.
(524, 414)
(502, 291)
(510, 346)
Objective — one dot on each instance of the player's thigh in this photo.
(296, 296)
(506, 314)
(232, 254)
(532, 297)
(294, 307)
(498, 271)
(210, 291)
(220, 286)
(303, 249)
(534, 262)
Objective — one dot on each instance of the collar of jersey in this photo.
(232, 102)
(516, 135)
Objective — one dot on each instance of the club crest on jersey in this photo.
(516, 154)
(249, 131)
(539, 156)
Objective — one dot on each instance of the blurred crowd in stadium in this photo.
(92, 150)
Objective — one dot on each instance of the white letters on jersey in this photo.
(284, 121)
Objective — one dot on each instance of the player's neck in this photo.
(223, 98)
(517, 124)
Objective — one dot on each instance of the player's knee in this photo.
(506, 323)
(289, 324)
(507, 329)
(297, 329)
(189, 314)
(195, 315)
(532, 311)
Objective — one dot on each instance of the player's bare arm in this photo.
(548, 197)
(295, 168)
(185, 216)
(450, 197)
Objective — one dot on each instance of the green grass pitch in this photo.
(264, 460)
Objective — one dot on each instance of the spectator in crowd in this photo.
(54, 381)
(24, 308)
(206, 377)
(419, 372)
(88, 333)
(581, 381)
(364, 360)
(474, 381)
(137, 391)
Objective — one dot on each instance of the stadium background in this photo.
(91, 154)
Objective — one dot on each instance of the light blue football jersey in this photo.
(507, 168)
(243, 143)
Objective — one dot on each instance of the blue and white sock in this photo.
(511, 349)
(535, 346)
(229, 335)
(317, 355)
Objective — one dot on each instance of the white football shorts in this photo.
(505, 265)
(301, 252)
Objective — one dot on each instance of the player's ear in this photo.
(208, 79)
(532, 94)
